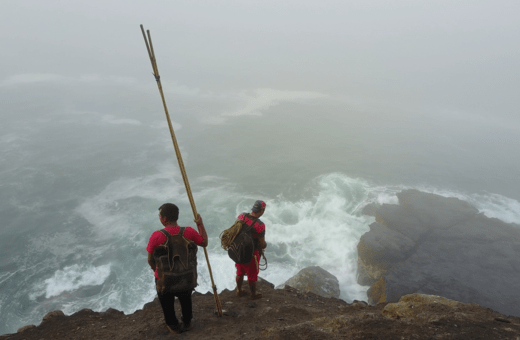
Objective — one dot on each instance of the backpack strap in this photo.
(165, 232)
(254, 219)
(176, 251)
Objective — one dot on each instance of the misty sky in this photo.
(449, 58)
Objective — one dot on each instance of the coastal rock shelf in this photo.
(287, 314)
(435, 245)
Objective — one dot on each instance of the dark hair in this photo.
(170, 211)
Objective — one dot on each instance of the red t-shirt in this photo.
(159, 238)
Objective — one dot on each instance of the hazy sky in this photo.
(441, 57)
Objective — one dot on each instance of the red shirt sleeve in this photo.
(192, 234)
(260, 228)
(156, 239)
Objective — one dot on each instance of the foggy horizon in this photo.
(429, 57)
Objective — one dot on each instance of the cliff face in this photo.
(288, 314)
(442, 246)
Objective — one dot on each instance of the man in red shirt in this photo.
(168, 215)
(252, 268)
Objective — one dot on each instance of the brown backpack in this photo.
(176, 263)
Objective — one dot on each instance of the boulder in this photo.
(418, 306)
(53, 314)
(435, 245)
(316, 280)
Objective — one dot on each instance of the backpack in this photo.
(176, 263)
(242, 246)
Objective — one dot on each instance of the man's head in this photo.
(169, 211)
(258, 207)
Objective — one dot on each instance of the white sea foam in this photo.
(71, 278)
(491, 205)
(108, 216)
(498, 206)
(323, 230)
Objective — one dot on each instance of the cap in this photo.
(258, 206)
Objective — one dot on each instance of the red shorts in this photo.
(251, 269)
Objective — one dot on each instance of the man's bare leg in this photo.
(254, 293)
(240, 280)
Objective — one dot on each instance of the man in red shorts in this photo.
(251, 269)
(168, 215)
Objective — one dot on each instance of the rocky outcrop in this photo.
(441, 246)
(315, 280)
(287, 314)
(415, 306)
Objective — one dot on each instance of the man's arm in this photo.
(261, 243)
(202, 231)
(151, 261)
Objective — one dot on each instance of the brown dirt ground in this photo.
(280, 314)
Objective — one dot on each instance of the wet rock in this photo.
(112, 311)
(265, 282)
(24, 328)
(435, 245)
(316, 280)
(377, 292)
(52, 315)
(380, 240)
(370, 209)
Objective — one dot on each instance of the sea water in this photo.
(81, 184)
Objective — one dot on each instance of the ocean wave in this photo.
(71, 278)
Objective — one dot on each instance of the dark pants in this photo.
(167, 301)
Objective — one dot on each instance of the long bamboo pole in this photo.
(151, 54)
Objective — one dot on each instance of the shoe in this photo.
(186, 325)
(175, 329)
